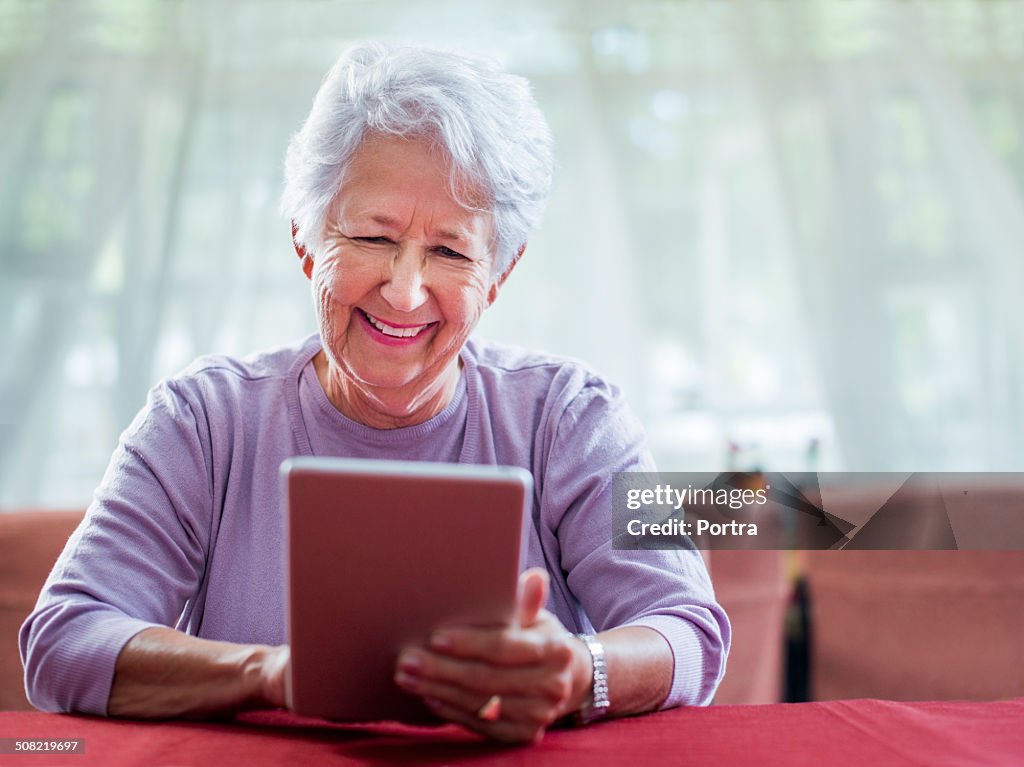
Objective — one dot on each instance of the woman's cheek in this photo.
(324, 289)
(473, 300)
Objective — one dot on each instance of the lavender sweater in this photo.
(186, 529)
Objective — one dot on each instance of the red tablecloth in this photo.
(857, 732)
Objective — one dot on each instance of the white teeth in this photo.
(396, 332)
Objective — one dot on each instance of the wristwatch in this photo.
(598, 703)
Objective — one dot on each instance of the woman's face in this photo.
(403, 278)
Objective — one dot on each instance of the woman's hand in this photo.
(508, 683)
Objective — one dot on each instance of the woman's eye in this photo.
(449, 253)
(373, 240)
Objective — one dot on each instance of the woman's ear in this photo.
(300, 250)
(496, 285)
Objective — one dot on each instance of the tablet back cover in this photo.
(379, 555)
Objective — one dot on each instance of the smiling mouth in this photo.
(408, 331)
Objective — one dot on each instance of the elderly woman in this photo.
(412, 188)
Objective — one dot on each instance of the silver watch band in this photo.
(598, 704)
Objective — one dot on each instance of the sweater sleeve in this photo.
(136, 561)
(668, 591)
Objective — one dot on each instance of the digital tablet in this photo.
(379, 555)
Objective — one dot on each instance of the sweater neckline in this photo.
(468, 389)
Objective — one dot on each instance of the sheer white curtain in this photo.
(777, 225)
(907, 261)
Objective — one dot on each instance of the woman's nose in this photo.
(403, 288)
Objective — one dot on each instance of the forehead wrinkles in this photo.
(374, 167)
(443, 218)
(456, 224)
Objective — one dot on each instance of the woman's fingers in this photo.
(507, 717)
(528, 667)
(509, 707)
(545, 642)
(503, 729)
(417, 669)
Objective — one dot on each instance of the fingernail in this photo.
(410, 662)
(405, 681)
(441, 642)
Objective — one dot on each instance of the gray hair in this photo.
(486, 120)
